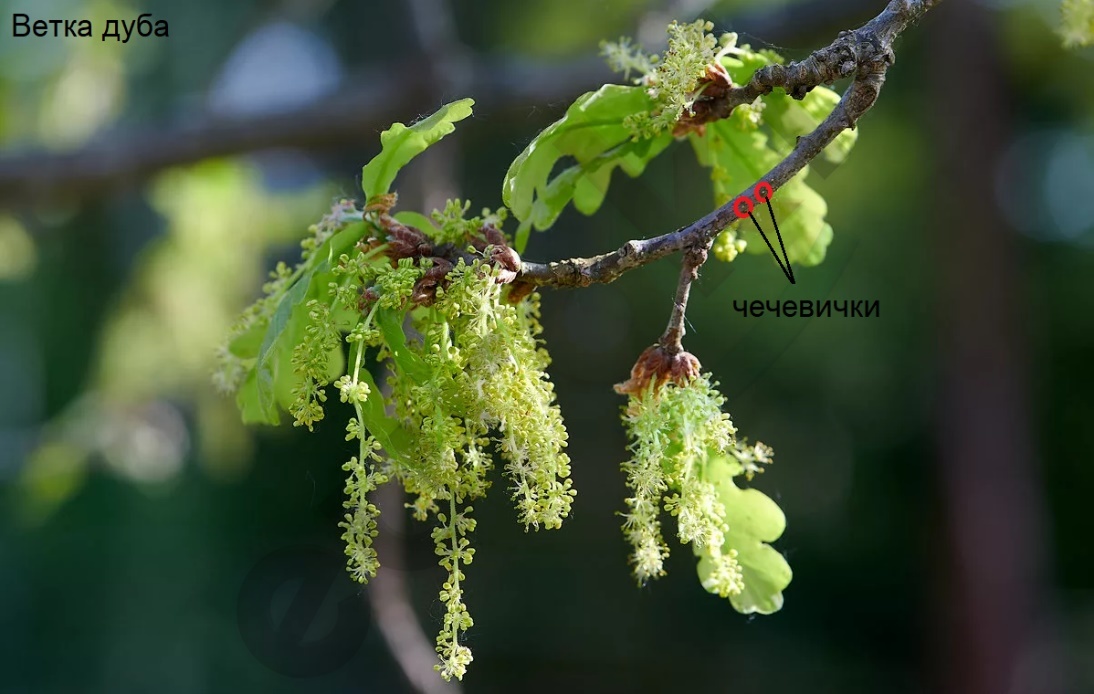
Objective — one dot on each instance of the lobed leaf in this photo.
(419, 221)
(402, 143)
(387, 430)
(789, 119)
(754, 520)
(593, 134)
(269, 343)
(273, 354)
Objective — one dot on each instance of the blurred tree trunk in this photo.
(992, 580)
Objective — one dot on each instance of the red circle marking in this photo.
(737, 209)
(760, 195)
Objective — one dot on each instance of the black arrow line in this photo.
(771, 248)
(789, 268)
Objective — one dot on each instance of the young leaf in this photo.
(419, 221)
(392, 436)
(256, 409)
(402, 143)
(390, 323)
(591, 133)
(786, 117)
(285, 314)
(754, 520)
(340, 243)
(248, 344)
(789, 119)
(273, 370)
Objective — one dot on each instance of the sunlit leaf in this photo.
(789, 119)
(388, 431)
(402, 143)
(593, 136)
(256, 409)
(754, 520)
(418, 221)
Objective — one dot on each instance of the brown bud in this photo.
(716, 83)
(424, 293)
(425, 289)
(690, 124)
(713, 87)
(658, 365)
(369, 296)
(501, 255)
(404, 241)
(493, 235)
(369, 244)
(508, 263)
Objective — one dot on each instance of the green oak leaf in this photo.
(284, 326)
(248, 344)
(402, 143)
(754, 520)
(390, 323)
(419, 221)
(269, 342)
(789, 119)
(592, 134)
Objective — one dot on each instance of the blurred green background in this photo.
(933, 463)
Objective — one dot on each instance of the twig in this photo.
(673, 336)
(865, 52)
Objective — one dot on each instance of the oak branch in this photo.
(865, 54)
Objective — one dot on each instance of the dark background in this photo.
(933, 463)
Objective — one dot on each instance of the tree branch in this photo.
(672, 338)
(865, 53)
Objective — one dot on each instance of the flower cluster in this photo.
(360, 519)
(467, 376)
(625, 56)
(728, 245)
(678, 431)
(672, 80)
(310, 360)
(454, 226)
(478, 369)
